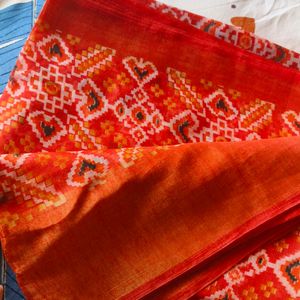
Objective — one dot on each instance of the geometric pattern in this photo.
(92, 103)
(256, 115)
(12, 110)
(92, 61)
(54, 49)
(292, 120)
(197, 113)
(142, 72)
(48, 128)
(50, 87)
(139, 135)
(21, 184)
(82, 135)
(85, 168)
(73, 103)
(232, 35)
(218, 131)
(219, 105)
(271, 273)
(187, 93)
(184, 126)
(287, 270)
(127, 156)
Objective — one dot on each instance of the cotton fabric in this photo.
(149, 164)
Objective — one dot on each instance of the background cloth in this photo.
(16, 20)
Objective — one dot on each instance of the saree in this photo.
(144, 153)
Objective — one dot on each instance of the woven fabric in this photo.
(251, 279)
(144, 153)
(271, 273)
(240, 36)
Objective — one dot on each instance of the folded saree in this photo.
(142, 157)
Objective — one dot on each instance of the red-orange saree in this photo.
(143, 157)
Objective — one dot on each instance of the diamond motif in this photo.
(139, 115)
(120, 109)
(218, 131)
(54, 49)
(259, 261)
(50, 88)
(13, 161)
(139, 135)
(220, 106)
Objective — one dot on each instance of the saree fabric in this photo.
(143, 153)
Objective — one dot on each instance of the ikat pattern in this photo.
(82, 112)
(232, 35)
(64, 98)
(271, 273)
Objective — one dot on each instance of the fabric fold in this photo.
(142, 152)
(167, 220)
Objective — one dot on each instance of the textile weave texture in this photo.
(151, 167)
(16, 21)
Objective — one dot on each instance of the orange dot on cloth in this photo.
(248, 24)
(52, 88)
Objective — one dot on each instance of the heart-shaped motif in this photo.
(246, 23)
(53, 48)
(142, 72)
(292, 120)
(85, 168)
(183, 127)
(93, 103)
(220, 106)
(48, 129)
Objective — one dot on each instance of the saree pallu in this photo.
(143, 153)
